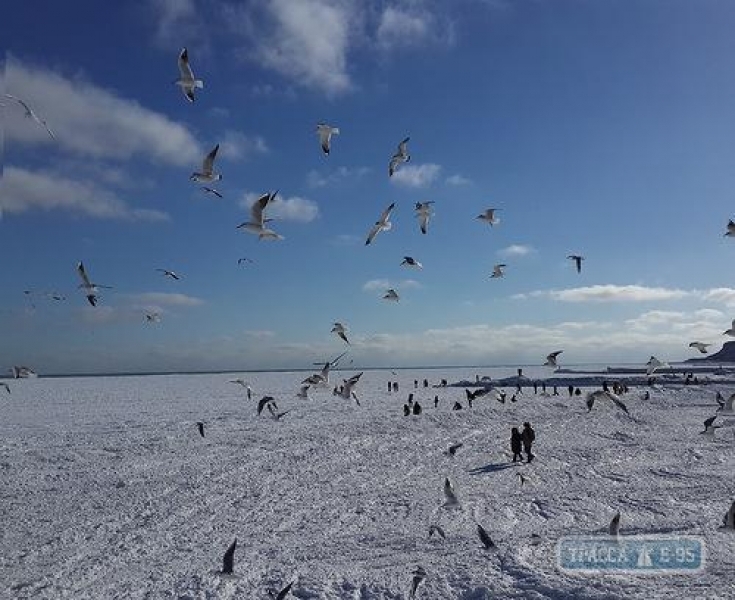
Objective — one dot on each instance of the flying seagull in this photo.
(730, 331)
(577, 261)
(453, 448)
(303, 392)
(168, 273)
(256, 224)
(209, 190)
(409, 261)
(340, 330)
(265, 401)
(284, 592)
(346, 391)
(30, 114)
(599, 394)
(423, 214)
(276, 415)
(89, 287)
(207, 174)
(245, 260)
(498, 270)
(228, 561)
(186, 81)
(615, 525)
(325, 136)
(709, 428)
(400, 157)
(653, 364)
(489, 216)
(153, 317)
(730, 229)
(391, 295)
(485, 537)
(200, 427)
(438, 530)
(700, 346)
(449, 494)
(551, 359)
(418, 576)
(382, 224)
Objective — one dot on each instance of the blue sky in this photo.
(599, 128)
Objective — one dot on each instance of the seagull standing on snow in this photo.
(700, 346)
(89, 287)
(382, 224)
(551, 359)
(30, 114)
(168, 273)
(207, 174)
(256, 224)
(391, 295)
(340, 330)
(325, 136)
(423, 214)
(498, 271)
(411, 262)
(400, 157)
(186, 81)
(489, 216)
(577, 261)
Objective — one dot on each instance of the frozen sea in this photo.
(108, 491)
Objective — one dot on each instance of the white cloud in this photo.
(24, 190)
(165, 299)
(259, 334)
(175, 19)
(238, 146)
(91, 121)
(416, 176)
(516, 250)
(380, 285)
(345, 239)
(457, 180)
(399, 27)
(294, 208)
(609, 293)
(316, 179)
(724, 295)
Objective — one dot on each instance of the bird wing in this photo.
(709, 422)
(284, 592)
(403, 147)
(325, 135)
(208, 163)
(184, 67)
(376, 229)
(83, 275)
(228, 561)
(265, 400)
(343, 336)
(423, 217)
(618, 402)
(394, 162)
(484, 537)
(256, 210)
(385, 215)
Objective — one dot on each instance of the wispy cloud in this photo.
(238, 146)
(294, 208)
(260, 334)
(416, 176)
(91, 121)
(457, 180)
(175, 20)
(318, 179)
(165, 299)
(516, 250)
(411, 24)
(609, 293)
(380, 285)
(24, 190)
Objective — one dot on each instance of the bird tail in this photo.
(198, 83)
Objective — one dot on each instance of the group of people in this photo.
(522, 439)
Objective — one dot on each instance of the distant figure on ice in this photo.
(535, 387)
(457, 406)
(415, 384)
(577, 392)
(444, 383)
(417, 408)
(426, 383)
(570, 389)
(528, 437)
(556, 392)
(436, 401)
(515, 444)
(646, 395)
(520, 372)
(395, 386)
(543, 387)
(390, 387)
(604, 386)
(406, 410)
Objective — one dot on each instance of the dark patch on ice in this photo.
(493, 468)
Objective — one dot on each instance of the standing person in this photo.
(515, 444)
(436, 401)
(528, 437)
(571, 390)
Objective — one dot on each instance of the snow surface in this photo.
(108, 491)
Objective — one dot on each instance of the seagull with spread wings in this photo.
(90, 288)
(187, 82)
(325, 136)
(256, 224)
(423, 214)
(400, 157)
(30, 114)
(207, 174)
(382, 224)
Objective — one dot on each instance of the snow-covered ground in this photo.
(108, 491)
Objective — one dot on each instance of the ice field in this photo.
(108, 490)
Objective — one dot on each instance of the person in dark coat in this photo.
(406, 410)
(570, 389)
(457, 406)
(515, 444)
(416, 408)
(436, 401)
(528, 437)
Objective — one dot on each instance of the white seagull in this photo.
(391, 295)
(489, 216)
(346, 390)
(598, 394)
(423, 214)
(400, 157)
(577, 261)
(340, 330)
(256, 224)
(303, 392)
(653, 364)
(30, 114)
(731, 331)
(89, 287)
(322, 379)
(411, 262)
(382, 224)
(187, 82)
(168, 273)
(700, 346)
(551, 359)
(325, 135)
(207, 174)
(245, 260)
(498, 270)
(730, 229)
